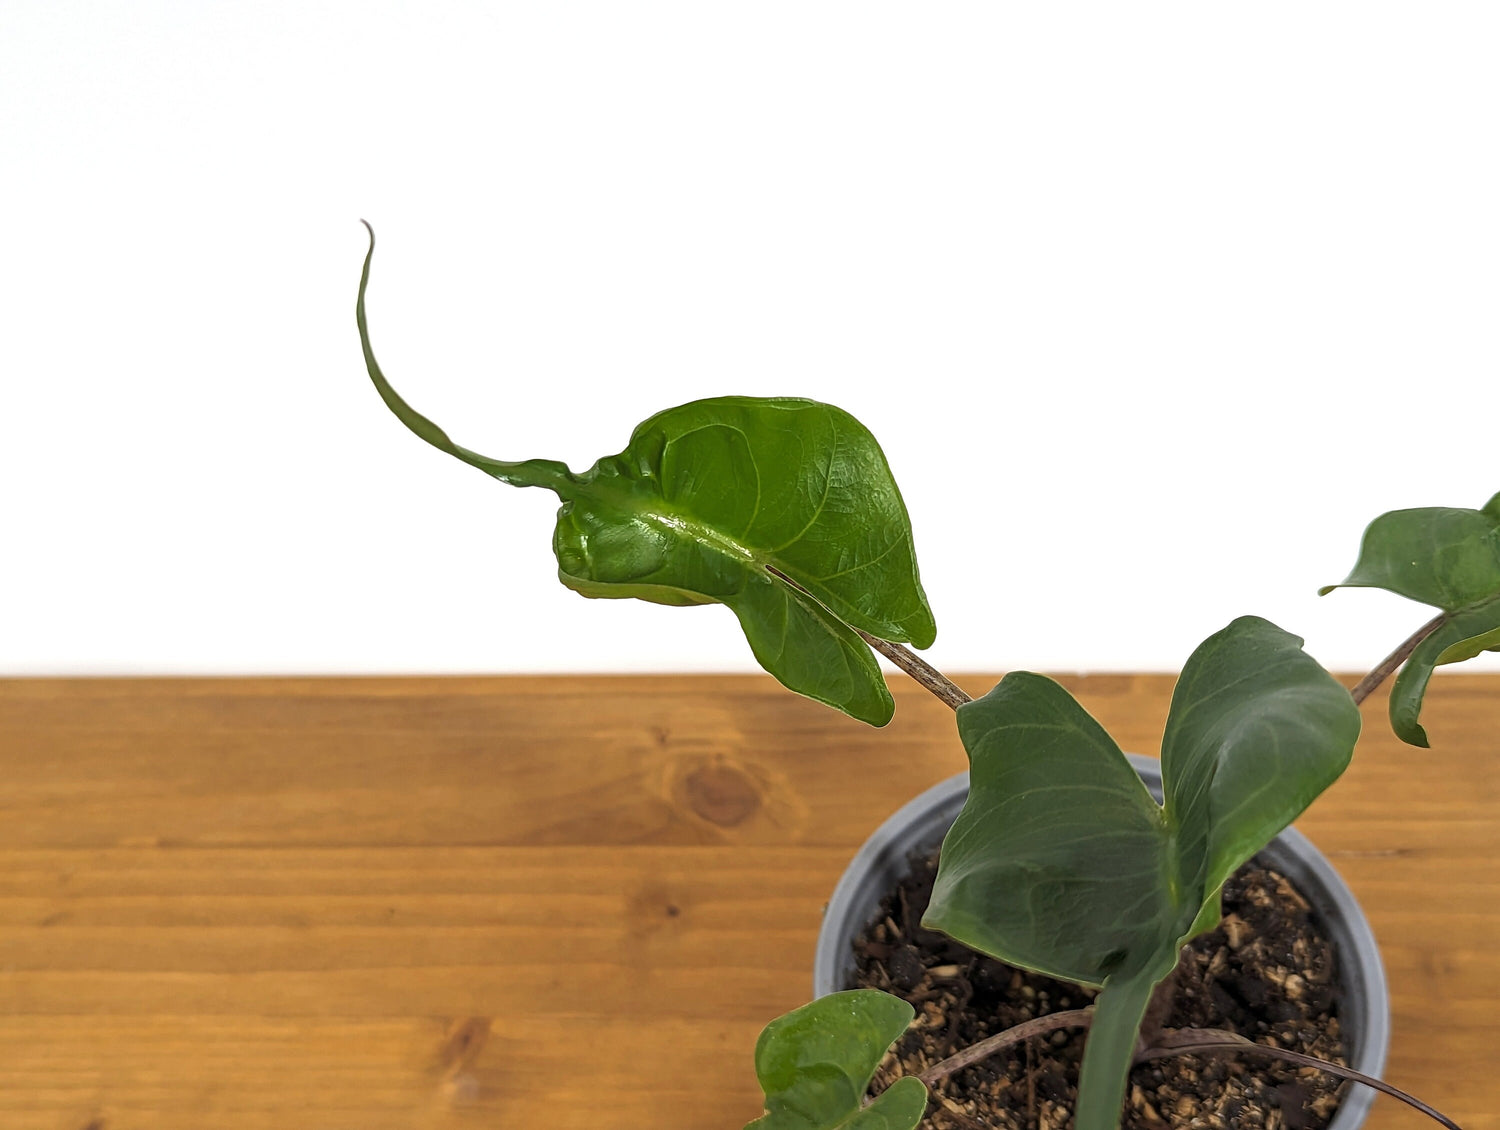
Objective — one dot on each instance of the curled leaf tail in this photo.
(548, 473)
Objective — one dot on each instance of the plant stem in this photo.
(1074, 1018)
(920, 670)
(1396, 658)
(954, 696)
(1159, 1011)
(1214, 1041)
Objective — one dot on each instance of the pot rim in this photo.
(1364, 1011)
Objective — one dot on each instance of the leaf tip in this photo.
(1491, 509)
(1404, 717)
(1416, 736)
(882, 713)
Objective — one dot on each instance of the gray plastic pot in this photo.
(1364, 1007)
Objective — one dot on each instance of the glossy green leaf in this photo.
(815, 1064)
(1061, 861)
(1445, 557)
(783, 510)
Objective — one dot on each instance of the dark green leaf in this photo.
(1462, 635)
(1448, 558)
(1060, 860)
(815, 1064)
(1056, 862)
(784, 510)
(1256, 731)
(1442, 556)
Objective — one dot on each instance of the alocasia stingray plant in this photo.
(1061, 862)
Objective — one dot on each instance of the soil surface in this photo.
(1267, 973)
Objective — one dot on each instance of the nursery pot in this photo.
(1364, 1008)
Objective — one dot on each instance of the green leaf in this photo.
(1442, 556)
(1448, 558)
(1462, 635)
(1256, 731)
(1061, 862)
(1110, 1047)
(1057, 861)
(815, 1064)
(783, 510)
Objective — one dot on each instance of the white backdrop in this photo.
(1152, 307)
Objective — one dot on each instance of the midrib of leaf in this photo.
(650, 507)
(703, 535)
(647, 505)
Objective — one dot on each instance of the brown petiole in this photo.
(951, 694)
(947, 691)
(1396, 658)
(1180, 1041)
(1040, 1026)
(1213, 1041)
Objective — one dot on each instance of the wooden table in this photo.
(548, 903)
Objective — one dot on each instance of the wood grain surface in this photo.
(361, 904)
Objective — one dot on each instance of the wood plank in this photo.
(557, 902)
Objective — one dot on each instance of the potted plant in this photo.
(1294, 949)
(1060, 862)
